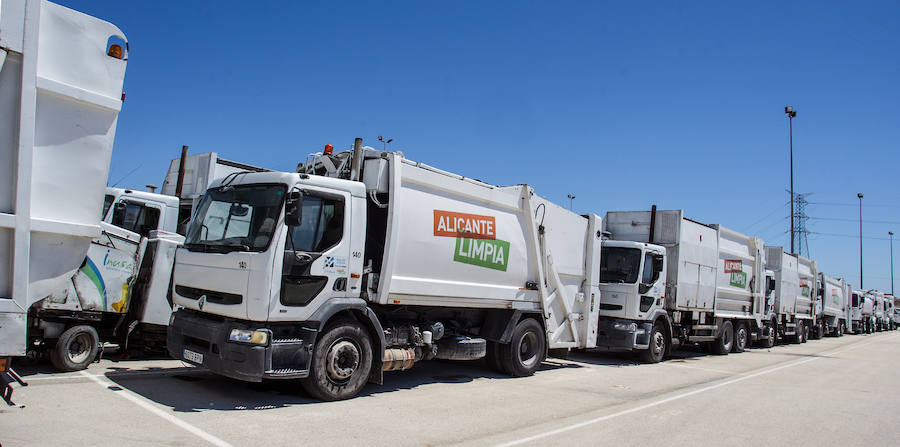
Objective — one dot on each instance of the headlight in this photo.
(626, 327)
(248, 336)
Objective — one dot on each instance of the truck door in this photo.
(316, 255)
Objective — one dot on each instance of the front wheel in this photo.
(659, 344)
(341, 362)
(75, 349)
(526, 349)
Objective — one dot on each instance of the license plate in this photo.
(193, 357)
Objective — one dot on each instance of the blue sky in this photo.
(624, 104)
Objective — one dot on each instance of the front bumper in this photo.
(286, 356)
(616, 334)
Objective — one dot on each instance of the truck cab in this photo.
(632, 293)
(139, 211)
(857, 324)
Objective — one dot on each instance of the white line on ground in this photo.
(679, 396)
(145, 404)
(123, 374)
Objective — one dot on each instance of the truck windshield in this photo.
(620, 265)
(236, 218)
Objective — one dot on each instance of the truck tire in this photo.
(804, 333)
(741, 337)
(492, 357)
(526, 349)
(840, 329)
(75, 349)
(659, 344)
(820, 330)
(769, 342)
(341, 362)
(722, 345)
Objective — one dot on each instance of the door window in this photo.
(136, 217)
(321, 228)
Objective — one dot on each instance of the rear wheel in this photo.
(526, 349)
(773, 335)
(493, 356)
(722, 345)
(75, 349)
(741, 338)
(804, 333)
(341, 362)
(658, 345)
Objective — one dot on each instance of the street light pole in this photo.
(891, 234)
(571, 198)
(860, 241)
(789, 111)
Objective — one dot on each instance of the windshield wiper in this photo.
(216, 248)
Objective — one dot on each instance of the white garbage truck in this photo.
(857, 300)
(120, 292)
(795, 291)
(667, 280)
(832, 307)
(867, 311)
(365, 261)
(61, 77)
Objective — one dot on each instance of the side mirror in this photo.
(239, 210)
(293, 209)
(118, 213)
(644, 287)
(770, 286)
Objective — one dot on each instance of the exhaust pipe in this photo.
(652, 222)
(356, 160)
(180, 184)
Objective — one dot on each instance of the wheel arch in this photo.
(357, 310)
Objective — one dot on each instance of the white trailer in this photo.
(61, 76)
(121, 288)
(794, 288)
(334, 278)
(832, 307)
(668, 279)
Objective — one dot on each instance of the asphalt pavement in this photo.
(834, 391)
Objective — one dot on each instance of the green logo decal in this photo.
(738, 279)
(804, 290)
(490, 253)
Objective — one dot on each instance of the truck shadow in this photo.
(194, 390)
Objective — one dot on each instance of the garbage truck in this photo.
(120, 292)
(795, 290)
(832, 307)
(857, 324)
(667, 280)
(61, 77)
(365, 261)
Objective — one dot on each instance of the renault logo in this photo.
(201, 302)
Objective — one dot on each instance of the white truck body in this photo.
(711, 277)
(795, 284)
(60, 95)
(409, 246)
(834, 305)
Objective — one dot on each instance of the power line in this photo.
(840, 219)
(868, 205)
(855, 236)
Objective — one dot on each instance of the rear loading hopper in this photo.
(61, 75)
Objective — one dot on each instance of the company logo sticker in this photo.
(734, 266)
(462, 225)
(738, 279)
(492, 254)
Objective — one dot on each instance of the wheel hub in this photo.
(342, 360)
(528, 354)
(79, 348)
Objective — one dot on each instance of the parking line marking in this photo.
(678, 396)
(720, 371)
(143, 403)
(123, 374)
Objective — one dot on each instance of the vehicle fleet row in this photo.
(358, 263)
